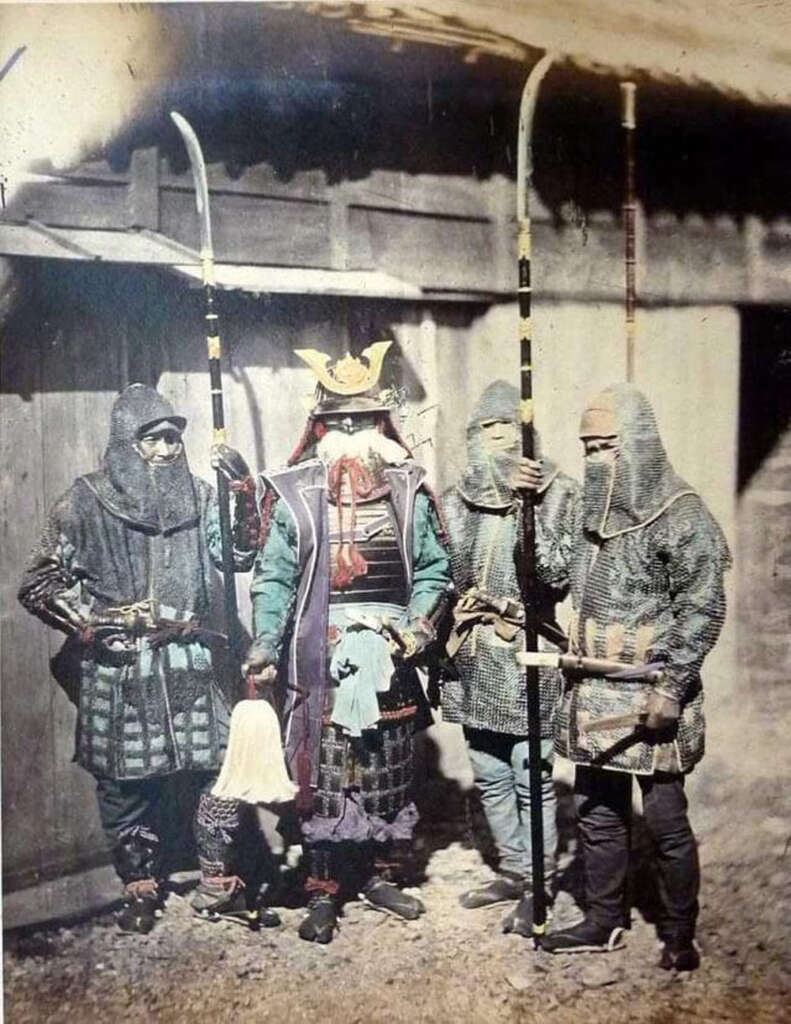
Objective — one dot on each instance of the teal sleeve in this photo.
(242, 560)
(274, 586)
(431, 562)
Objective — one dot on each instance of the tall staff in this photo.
(628, 123)
(214, 350)
(524, 172)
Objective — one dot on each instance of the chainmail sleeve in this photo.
(696, 555)
(50, 589)
(461, 536)
(557, 517)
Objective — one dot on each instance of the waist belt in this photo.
(159, 623)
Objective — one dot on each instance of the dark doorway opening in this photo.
(765, 408)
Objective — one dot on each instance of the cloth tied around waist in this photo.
(362, 666)
(475, 608)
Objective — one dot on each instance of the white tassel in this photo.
(254, 769)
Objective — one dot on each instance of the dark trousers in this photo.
(131, 812)
(603, 800)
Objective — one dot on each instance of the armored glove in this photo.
(228, 462)
(246, 521)
(259, 667)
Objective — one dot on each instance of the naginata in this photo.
(214, 349)
(524, 174)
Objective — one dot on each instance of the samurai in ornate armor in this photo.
(124, 568)
(647, 590)
(346, 587)
(482, 514)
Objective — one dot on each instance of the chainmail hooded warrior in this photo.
(483, 518)
(647, 590)
(124, 567)
(154, 498)
(351, 538)
(646, 584)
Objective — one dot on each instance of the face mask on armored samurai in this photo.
(357, 436)
(500, 437)
(351, 419)
(628, 477)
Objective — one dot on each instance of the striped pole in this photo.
(214, 353)
(628, 123)
(524, 174)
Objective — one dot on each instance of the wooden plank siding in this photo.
(253, 229)
(398, 223)
(27, 733)
(64, 384)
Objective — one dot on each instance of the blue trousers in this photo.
(500, 765)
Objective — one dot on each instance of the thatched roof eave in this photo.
(738, 47)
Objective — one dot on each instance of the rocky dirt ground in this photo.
(451, 965)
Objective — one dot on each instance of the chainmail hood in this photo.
(159, 498)
(486, 478)
(639, 484)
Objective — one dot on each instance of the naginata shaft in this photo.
(524, 174)
(214, 353)
(628, 123)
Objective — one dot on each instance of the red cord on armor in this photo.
(349, 563)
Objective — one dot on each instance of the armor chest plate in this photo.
(385, 582)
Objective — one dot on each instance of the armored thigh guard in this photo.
(379, 766)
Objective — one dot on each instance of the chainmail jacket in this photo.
(647, 586)
(485, 549)
(484, 525)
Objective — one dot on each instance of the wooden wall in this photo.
(77, 335)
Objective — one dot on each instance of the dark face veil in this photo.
(151, 496)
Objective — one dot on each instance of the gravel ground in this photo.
(451, 965)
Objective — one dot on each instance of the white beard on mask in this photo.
(366, 445)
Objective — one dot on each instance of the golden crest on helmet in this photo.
(349, 375)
